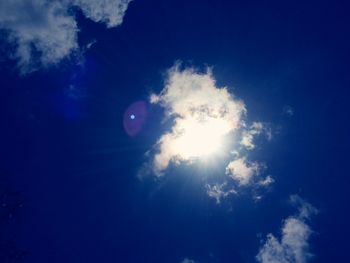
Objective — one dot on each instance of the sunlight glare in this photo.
(200, 138)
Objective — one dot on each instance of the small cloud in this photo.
(248, 135)
(242, 171)
(288, 110)
(218, 191)
(109, 12)
(293, 246)
(266, 181)
(90, 44)
(254, 130)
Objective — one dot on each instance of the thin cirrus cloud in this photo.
(46, 32)
(293, 246)
(202, 116)
(187, 260)
(219, 191)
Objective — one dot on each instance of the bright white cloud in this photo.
(219, 191)
(293, 246)
(45, 32)
(242, 171)
(203, 114)
(207, 123)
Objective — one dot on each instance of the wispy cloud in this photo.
(46, 32)
(268, 180)
(255, 129)
(219, 191)
(288, 110)
(248, 135)
(187, 260)
(293, 246)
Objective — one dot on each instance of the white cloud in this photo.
(293, 246)
(254, 130)
(242, 171)
(248, 135)
(218, 191)
(45, 32)
(45, 27)
(305, 209)
(186, 260)
(110, 12)
(203, 114)
(207, 124)
(268, 180)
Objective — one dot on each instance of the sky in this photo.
(174, 131)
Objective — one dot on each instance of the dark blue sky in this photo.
(64, 149)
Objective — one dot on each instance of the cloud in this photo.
(39, 26)
(242, 171)
(288, 110)
(248, 135)
(110, 12)
(254, 130)
(45, 32)
(218, 191)
(268, 180)
(305, 210)
(202, 115)
(186, 260)
(293, 246)
(207, 124)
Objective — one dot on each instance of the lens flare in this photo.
(134, 118)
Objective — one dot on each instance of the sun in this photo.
(199, 138)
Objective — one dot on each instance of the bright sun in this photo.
(200, 138)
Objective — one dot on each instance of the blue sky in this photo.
(236, 152)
